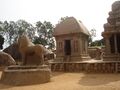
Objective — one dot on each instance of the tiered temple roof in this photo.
(113, 21)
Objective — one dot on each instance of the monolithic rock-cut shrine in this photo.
(111, 34)
(71, 40)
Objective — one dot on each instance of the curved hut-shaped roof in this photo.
(69, 26)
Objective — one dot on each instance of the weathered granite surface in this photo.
(26, 75)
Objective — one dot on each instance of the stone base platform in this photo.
(91, 66)
(111, 57)
(26, 75)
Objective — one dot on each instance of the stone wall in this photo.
(101, 67)
(92, 52)
(96, 52)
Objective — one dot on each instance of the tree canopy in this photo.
(97, 43)
(45, 34)
(41, 33)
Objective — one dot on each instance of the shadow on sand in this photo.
(98, 79)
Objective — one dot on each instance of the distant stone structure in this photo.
(71, 40)
(111, 34)
(96, 53)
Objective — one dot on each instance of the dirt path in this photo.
(74, 81)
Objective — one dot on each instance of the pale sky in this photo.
(93, 13)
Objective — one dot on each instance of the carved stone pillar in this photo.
(80, 46)
(107, 42)
(86, 46)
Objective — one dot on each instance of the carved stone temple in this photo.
(71, 40)
(72, 43)
(111, 34)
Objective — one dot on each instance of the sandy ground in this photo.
(73, 81)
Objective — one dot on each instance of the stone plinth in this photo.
(97, 66)
(25, 75)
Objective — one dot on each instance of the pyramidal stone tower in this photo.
(111, 34)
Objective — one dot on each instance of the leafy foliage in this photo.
(12, 30)
(9, 31)
(45, 34)
(24, 26)
(97, 43)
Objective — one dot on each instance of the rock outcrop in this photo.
(6, 59)
(13, 50)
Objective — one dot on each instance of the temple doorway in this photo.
(67, 47)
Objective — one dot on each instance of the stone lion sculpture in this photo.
(28, 49)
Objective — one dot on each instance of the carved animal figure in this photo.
(27, 48)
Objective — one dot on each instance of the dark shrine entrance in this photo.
(115, 46)
(67, 47)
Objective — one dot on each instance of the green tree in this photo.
(92, 35)
(98, 42)
(90, 40)
(23, 26)
(45, 34)
(1, 35)
(1, 28)
(9, 31)
(13, 29)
